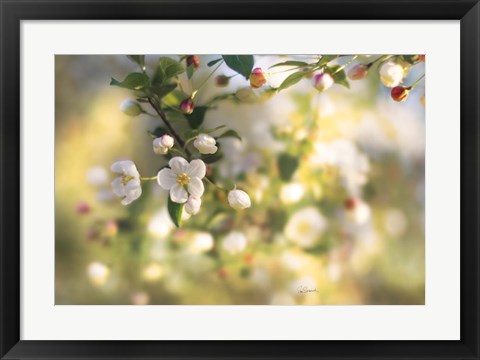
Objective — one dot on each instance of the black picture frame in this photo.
(14, 11)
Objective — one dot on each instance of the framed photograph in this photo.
(233, 180)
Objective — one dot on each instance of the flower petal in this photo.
(195, 187)
(117, 187)
(121, 167)
(133, 191)
(178, 164)
(178, 194)
(166, 178)
(197, 169)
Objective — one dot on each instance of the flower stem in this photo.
(148, 178)
(416, 82)
(208, 78)
(210, 181)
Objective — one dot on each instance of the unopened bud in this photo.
(131, 108)
(358, 72)
(399, 93)
(257, 78)
(323, 81)
(187, 106)
(222, 80)
(193, 60)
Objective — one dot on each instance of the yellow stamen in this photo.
(126, 179)
(183, 179)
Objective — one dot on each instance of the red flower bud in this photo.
(351, 203)
(193, 59)
(187, 106)
(421, 58)
(358, 72)
(222, 80)
(399, 93)
(82, 208)
(257, 78)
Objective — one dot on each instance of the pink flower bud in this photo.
(399, 93)
(323, 81)
(222, 80)
(82, 208)
(257, 78)
(358, 72)
(187, 106)
(193, 59)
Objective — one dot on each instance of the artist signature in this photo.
(305, 289)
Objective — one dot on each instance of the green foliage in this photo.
(289, 63)
(243, 64)
(338, 75)
(292, 79)
(287, 164)
(195, 119)
(326, 59)
(230, 133)
(159, 131)
(137, 59)
(190, 71)
(213, 62)
(175, 211)
(133, 81)
(167, 68)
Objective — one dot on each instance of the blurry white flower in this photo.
(152, 272)
(391, 74)
(131, 107)
(395, 222)
(192, 205)
(291, 260)
(160, 224)
(98, 273)
(183, 178)
(291, 193)
(162, 144)
(305, 227)
(282, 299)
(239, 199)
(246, 94)
(127, 186)
(234, 243)
(139, 298)
(97, 175)
(201, 242)
(357, 211)
(205, 144)
(104, 195)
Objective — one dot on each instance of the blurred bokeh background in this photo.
(357, 195)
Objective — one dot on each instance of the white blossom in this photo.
(128, 185)
(97, 175)
(391, 74)
(239, 199)
(234, 243)
(162, 144)
(182, 179)
(305, 227)
(201, 242)
(205, 144)
(193, 204)
(98, 273)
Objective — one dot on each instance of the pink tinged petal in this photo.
(195, 187)
(197, 169)
(178, 194)
(117, 187)
(178, 164)
(166, 178)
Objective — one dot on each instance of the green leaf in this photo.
(133, 81)
(208, 159)
(190, 70)
(159, 131)
(326, 59)
(292, 79)
(163, 90)
(166, 69)
(338, 76)
(243, 64)
(289, 63)
(230, 133)
(287, 164)
(175, 211)
(138, 59)
(213, 62)
(209, 131)
(195, 119)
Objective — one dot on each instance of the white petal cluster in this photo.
(184, 181)
(391, 74)
(234, 243)
(239, 199)
(162, 144)
(306, 227)
(205, 144)
(128, 185)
